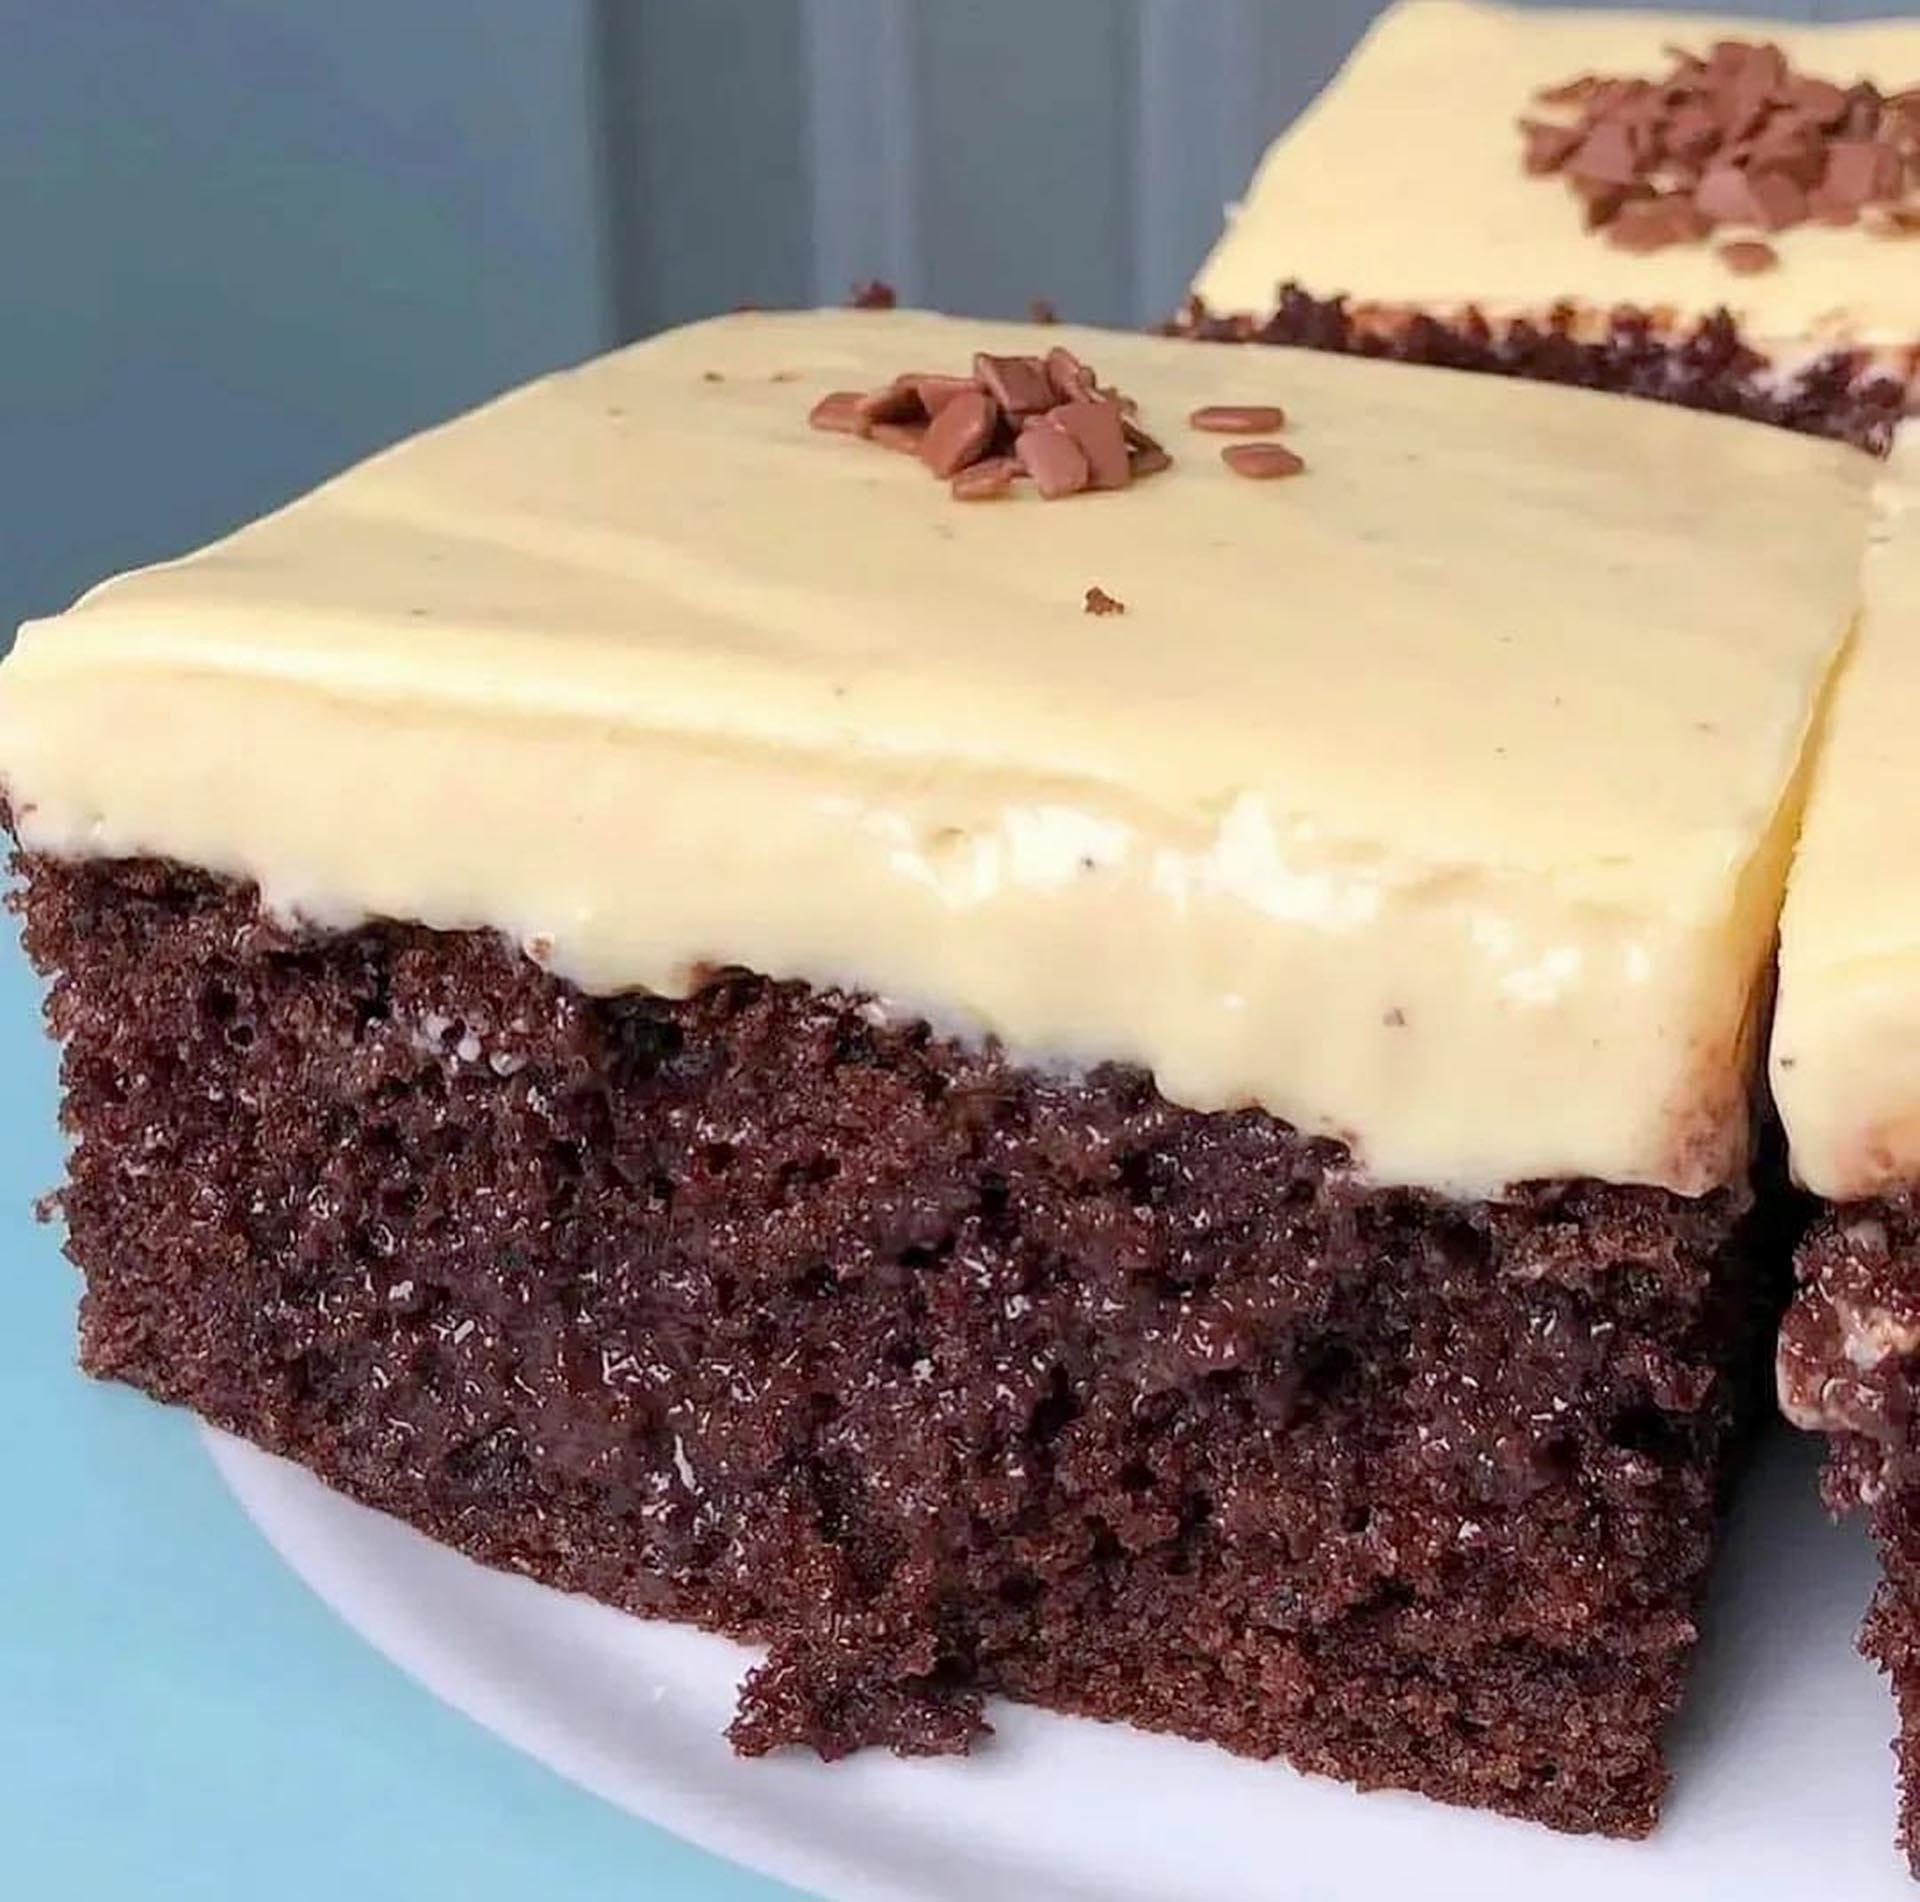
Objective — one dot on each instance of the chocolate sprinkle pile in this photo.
(1735, 138)
(1047, 420)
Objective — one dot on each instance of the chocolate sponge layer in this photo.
(1842, 393)
(938, 1375)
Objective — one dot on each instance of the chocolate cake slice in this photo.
(1664, 205)
(1846, 1072)
(842, 976)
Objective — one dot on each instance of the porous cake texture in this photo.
(937, 1374)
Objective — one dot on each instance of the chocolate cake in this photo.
(1095, 1081)
(1658, 205)
(1848, 1084)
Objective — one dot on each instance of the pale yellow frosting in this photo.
(1402, 183)
(1846, 1047)
(1435, 799)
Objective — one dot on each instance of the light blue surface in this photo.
(179, 1717)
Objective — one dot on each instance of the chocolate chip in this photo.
(1606, 156)
(1724, 195)
(1263, 461)
(1692, 133)
(1746, 257)
(1099, 601)
(1018, 384)
(1651, 224)
(1069, 377)
(1750, 141)
(960, 432)
(1861, 170)
(1742, 113)
(1147, 454)
(1603, 203)
(985, 480)
(1098, 427)
(1778, 201)
(1791, 142)
(1821, 100)
(905, 437)
(1570, 92)
(1053, 459)
(1893, 221)
(1861, 120)
(1548, 146)
(896, 402)
(936, 392)
(1237, 419)
(1083, 435)
(841, 412)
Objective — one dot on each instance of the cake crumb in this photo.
(1099, 601)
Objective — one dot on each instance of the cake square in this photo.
(1438, 202)
(1846, 1073)
(1140, 1101)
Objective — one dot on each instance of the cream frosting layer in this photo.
(1402, 184)
(1436, 799)
(1845, 1060)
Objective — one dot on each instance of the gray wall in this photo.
(247, 240)
(975, 153)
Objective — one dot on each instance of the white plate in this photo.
(1783, 1781)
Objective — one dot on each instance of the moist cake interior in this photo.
(938, 1375)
